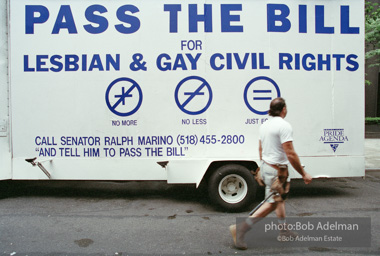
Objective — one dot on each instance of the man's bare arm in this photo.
(295, 161)
(260, 150)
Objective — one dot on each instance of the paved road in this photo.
(106, 218)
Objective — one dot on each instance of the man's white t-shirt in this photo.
(273, 133)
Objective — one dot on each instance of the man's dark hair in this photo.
(276, 106)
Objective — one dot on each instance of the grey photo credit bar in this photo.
(309, 232)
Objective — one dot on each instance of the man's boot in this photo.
(238, 233)
(286, 233)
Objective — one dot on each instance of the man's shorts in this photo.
(269, 175)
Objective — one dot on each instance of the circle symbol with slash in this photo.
(124, 97)
(259, 92)
(193, 95)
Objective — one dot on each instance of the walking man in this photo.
(276, 152)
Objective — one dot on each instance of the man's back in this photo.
(273, 133)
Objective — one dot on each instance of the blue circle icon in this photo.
(193, 95)
(124, 97)
(259, 92)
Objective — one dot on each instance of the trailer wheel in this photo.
(232, 187)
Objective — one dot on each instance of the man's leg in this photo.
(264, 210)
(280, 210)
(238, 231)
(281, 215)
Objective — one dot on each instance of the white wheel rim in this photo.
(233, 189)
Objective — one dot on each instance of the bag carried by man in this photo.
(280, 185)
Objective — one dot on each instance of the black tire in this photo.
(232, 187)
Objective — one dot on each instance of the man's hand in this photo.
(307, 178)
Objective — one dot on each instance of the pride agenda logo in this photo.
(334, 137)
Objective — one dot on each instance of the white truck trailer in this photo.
(176, 91)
